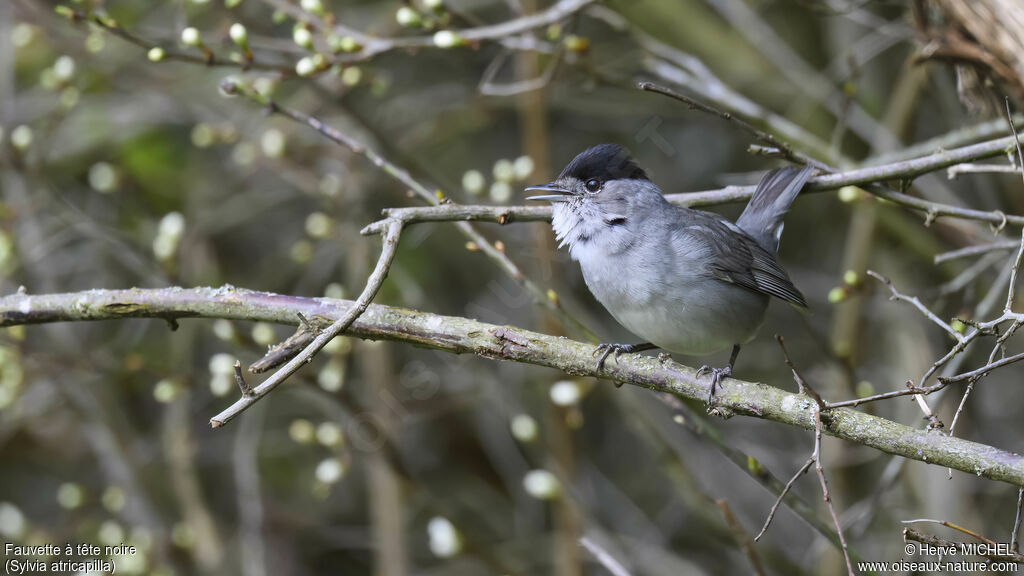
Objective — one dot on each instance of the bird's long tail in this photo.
(762, 218)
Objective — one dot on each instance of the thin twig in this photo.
(819, 406)
(801, 383)
(983, 370)
(954, 171)
(607, 560)
(952, 139)
(771, 513)
(389, 241)
(783, 148)
(1011, 291)
(953, 526)
(916, 303)
(1014, 542)
(911, 534)
(244, 386)
(970, 274)
(976, 250)
(824, 487)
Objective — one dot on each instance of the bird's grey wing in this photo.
(734, 257)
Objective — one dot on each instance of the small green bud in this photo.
(107, 21)
(851, 278)
(435, 5)
(305, 67)
(303, 37)
(552, 296)
(503, 170)
(302, 431)
(165, 390)
(501, 192)
(958, 326)
(156, 54)
(228, 87)
(279, 16)
(444, 539)
(70, 495)
(48, 79)
(863, 389)
(239, 35)
(273, 143)
(302, 252)
(849, 194)
(103, 178)
(190, 37)
(351, 76)
(231, 3)
(473, 182)
(565, 393)
(329, 470)
(542, 484)
(69, 97)
(313, 7)
(65, 11)
(263, 334)
(447, 39)
(577, 43)
(837, 295)
(22, 35)
(95, 42)
(522, 167)
(754, 466)
(344, 44)
(524, 428)
(318, 225)
(203, 135)
(408, 17)
(264, 85)
(21, 138)
(64, 68)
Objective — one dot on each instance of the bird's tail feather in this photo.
(762, 218)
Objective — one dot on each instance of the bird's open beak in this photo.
(559, 194)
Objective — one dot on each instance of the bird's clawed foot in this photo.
(717, 374)
(606, 350)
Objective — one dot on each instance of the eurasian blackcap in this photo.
(686, 281)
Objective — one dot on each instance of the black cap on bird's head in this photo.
(589, 171)
(605, 162)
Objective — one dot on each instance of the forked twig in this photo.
(819, 406)
(389, 241)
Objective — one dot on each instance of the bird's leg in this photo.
(717, 374)
(618, 349)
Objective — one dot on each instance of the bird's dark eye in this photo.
(593, 185)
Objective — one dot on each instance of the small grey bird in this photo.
(686, 281)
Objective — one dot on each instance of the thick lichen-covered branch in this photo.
(464, 336)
